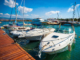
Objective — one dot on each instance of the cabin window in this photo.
(54, 36)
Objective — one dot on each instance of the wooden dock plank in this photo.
(10, 50)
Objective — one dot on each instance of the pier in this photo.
(9, 50)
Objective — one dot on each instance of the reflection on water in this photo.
(60, 56)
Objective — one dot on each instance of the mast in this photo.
(57, 16)
(23, 13)
(78, 14)
(15, 11)
(74, 11)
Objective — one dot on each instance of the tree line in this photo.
(70, 19)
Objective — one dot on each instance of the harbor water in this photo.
(33, 46)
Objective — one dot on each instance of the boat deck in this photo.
(9, 50)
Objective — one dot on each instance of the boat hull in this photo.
(61, 47)
(61, 50)
(58, 51)
(32, 37)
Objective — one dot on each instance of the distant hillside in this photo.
(17, 18)
(13, 19)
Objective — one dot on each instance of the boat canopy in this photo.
(19, 24)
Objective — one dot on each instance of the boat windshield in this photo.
(64, 30)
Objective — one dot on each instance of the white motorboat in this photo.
(10, 26)
(20, 31)
(38, 21)
(19, 28)
(5, 26)
(58, 41)
(36, 34)
(17, 33)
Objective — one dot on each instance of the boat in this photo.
(74, 23)
(18, 32)
(13, 28)
(52, 21)
(58, 41)
(17, 26)
(38, 21)
(36, 34)
(8, 25)
(13, 25)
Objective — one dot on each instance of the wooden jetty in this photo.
(9, 50)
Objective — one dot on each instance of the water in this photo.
(33, 47)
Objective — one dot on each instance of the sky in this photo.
(39, 8)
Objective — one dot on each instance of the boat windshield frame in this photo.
(64, 30)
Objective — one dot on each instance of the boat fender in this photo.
(79, 36)
(74, 41)
(2, 27)
(44, 46)
(75, 35)
(69, 47)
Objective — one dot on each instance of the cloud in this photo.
(10, 3)
(15, 15)
(51, 12)
(7, 14)
(71, 8)
(1, 13)
(20, 8)
(12, 16)
(4, 15)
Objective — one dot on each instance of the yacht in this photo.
(58, 41)
(20, 31)
(36, 34)
(38, 21)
